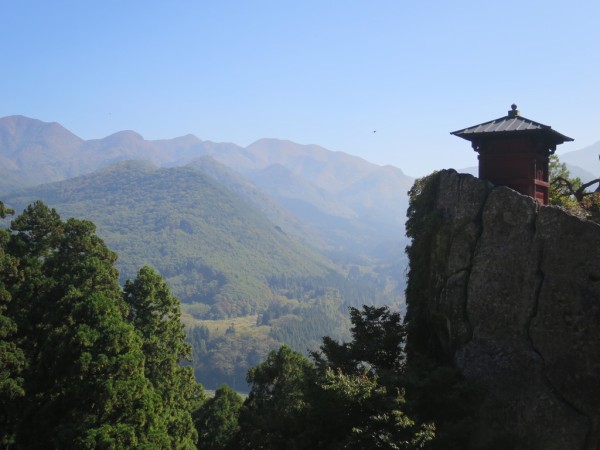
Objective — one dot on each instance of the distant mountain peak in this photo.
(337, 194)
(585, 160)
(185, 140)
(188, 138)
(125, 135)
(274, 144)
(26, 129)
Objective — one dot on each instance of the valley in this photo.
(264, 245)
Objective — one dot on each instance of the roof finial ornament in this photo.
(514, 111)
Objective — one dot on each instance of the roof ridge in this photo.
(511, 123)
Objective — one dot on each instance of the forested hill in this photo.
(260, 200)
(210, 246)
(355, 206)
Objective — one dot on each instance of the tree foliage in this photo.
(155, 314)
(571, 193)
(350, 398)
(377, 343)
(365, 413)
(364, 380)
(230, 356)
(84, 380)
(227, 357)
(12, 358)
(209, 245)
(217, 421)
(4, 211)
(275, 415)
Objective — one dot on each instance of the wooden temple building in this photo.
(514, 151)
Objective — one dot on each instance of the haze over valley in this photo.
(277, 238)
(271, 242)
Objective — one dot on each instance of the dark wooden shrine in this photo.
(514, 151)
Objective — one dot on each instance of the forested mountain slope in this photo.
(210, 246)
(222, 257)
(257, 198)
(355, 205)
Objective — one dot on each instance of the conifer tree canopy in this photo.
(79, 376)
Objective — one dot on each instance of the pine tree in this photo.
(217, 421)
(275, 414)
(352, 398)
(12, 358)
(84, 383)
(156, 316)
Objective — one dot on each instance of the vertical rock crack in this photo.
(540, 276)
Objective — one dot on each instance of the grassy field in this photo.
(217, 328)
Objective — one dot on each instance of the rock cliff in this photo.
(508, 292)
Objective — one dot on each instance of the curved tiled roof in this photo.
(512, 123)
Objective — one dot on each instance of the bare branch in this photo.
(579, 193)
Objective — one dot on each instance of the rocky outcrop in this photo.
(513, 302)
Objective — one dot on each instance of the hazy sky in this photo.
(315, 72)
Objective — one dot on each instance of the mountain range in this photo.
(343, 206)
(584, 163)
(209, 245)
(351, 205)
(189, 207)
(275, 238)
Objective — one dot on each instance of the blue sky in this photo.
(314, 72)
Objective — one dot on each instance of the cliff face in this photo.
(508, 292)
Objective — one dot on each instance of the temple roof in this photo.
(509, 125)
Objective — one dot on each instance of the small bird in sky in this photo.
(374, 131)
